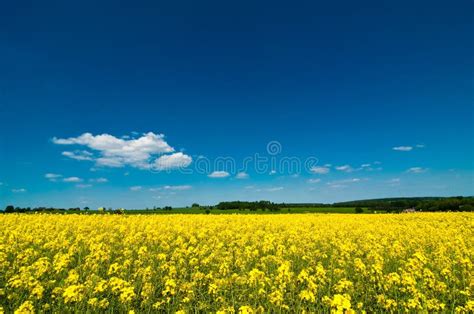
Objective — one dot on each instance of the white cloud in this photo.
(342, 183)
(53, 177)
(219, 174)
(394, 182)
(242, 175)
(272, 172)
(337, 186)
(365, 165)
(345, 168)
(320, 170)
(83, 186)
(173, 161)
(417, 170)
(420, 145)
(314, 180)
(79, 155)
(351, 180)
(135, 188)
(126, 151)
(278, 188)
(403, 148)
(177, 187)
(22, 190)
(273, 189)
(99, 180)
(72, 179)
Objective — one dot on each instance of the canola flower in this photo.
(237, 263)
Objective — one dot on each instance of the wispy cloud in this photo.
(135, 188)
(314, 180)
(320, 170)
(403, 148)
(417, 170)
(420, 145)
(99, 180)
(337, 185)
(83, 186)
(345, 168)
(72, 179)
(21, 190)
(53, 177)
(177, 187)
(272, 189)
(219, 174)
(78, 155)
(242, 175)
(394, 182)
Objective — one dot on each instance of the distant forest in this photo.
(425, 204)
(432, 204)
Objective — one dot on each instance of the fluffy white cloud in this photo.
(314, 180)
(177, 187)
(242, 175)
(22, 190)
(125, 151)
(219, 174)
(72, 179)
(320, 170)
(53, 177)
(135, 188)
(403, 148)
(417, 170)
(173, 161)
(345, 168)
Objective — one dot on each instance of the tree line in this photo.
(429, 204)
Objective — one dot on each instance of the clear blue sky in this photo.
(380, 93)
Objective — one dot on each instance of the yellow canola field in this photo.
(237, 263)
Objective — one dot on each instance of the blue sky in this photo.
(125, 105)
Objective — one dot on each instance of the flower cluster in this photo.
(237, 263)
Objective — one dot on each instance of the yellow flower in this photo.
(25, 308)
(246, 309)
(73, 293)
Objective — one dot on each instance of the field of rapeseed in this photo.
(236, 263)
